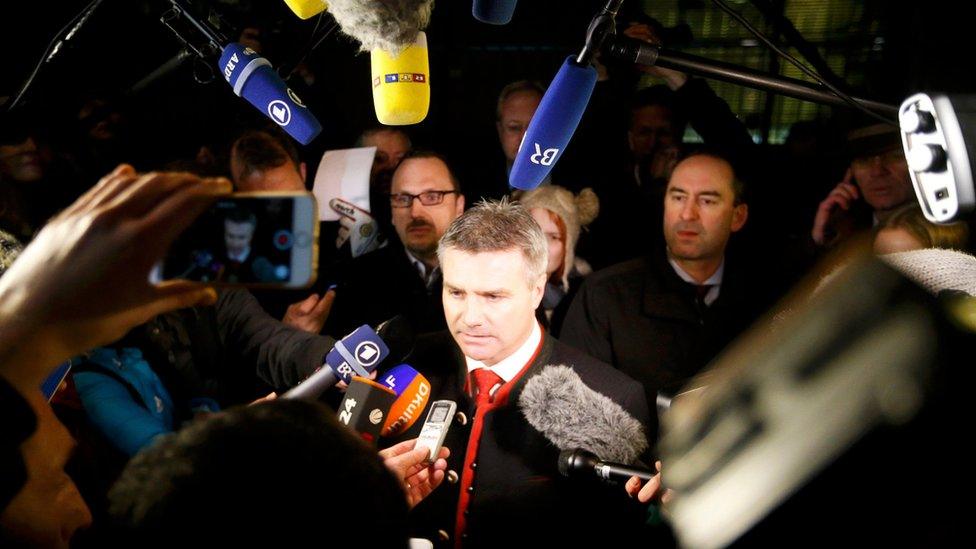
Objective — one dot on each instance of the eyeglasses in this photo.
(427, 198)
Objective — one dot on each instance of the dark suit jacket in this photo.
(517, 487)
(231, 352)
(380, 285)
(641, 317)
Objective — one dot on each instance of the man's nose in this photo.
(472, 315)
(417, 208)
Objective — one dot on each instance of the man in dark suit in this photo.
(661, 318)
(495, 362)
(404, 277)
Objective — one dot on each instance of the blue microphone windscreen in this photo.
(365, 347)
(399, 378)
(553, 124)
(495, 12)
(252, 78)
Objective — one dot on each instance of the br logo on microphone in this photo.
(279, 112)
(367, 353)
(544, 158)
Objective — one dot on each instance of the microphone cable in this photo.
(795, 62)
(54, 46)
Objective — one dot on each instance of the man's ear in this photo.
(740, 214)
(459, 205)
(538, 290)
(303, 169)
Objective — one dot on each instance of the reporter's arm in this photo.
(84, 281)
(284, 356)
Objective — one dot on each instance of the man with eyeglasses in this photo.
(878, 173)
(404, 277)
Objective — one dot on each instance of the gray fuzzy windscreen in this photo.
(571, 415)
(389, 25)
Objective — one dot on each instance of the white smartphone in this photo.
(435, 427)
(255, 239)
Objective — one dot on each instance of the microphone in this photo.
(357, 353)
(365, 407)
(562, 106)
(389, 25)
(413, 392)
(553, 124)
(399, 336)
(571, 415)
(307, 8)
(401, 83)
(252, 78)
(580, 463)
(493, 12)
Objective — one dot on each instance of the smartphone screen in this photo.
(249, 239)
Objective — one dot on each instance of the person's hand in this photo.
(640, 31)
(84, 281)
(842, 196)
(266, 398)
(311, 313)
(357, 226)
(650, 490)
(409, 465)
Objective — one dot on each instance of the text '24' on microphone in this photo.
(252, 78)
(365, 407)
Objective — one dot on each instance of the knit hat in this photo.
(936, 269)
(576, 211)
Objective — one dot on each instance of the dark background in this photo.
(925, 47)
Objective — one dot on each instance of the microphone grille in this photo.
(571, 415)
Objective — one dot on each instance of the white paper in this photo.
(343, 173)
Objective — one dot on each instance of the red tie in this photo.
(484, 380)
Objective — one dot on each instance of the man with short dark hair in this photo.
(267, 473)
(391, 143)
(263, 161)
(239, 227)
(403, 279)
(662, 317)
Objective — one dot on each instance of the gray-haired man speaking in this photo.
(522, 397)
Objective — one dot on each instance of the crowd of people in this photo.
(611, 285)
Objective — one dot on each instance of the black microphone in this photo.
(400, 337)
(365, 406)
(580, 463)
